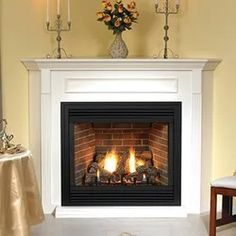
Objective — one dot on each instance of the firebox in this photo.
(121, 153)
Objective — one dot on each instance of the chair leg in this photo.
(227, 211)
(227, 207)
(212, 228)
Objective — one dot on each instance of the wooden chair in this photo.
(227, 188)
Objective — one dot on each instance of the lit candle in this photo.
(69, 18)
(48, 7)
(178, 2)
(58, 7)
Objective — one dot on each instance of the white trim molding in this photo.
(52, 81)
(119, 212)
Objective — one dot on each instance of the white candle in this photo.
(157, 2)
(177, 2)
(69, 18)
(58, 7)
(48, 8)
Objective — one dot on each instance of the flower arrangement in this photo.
(118, 18)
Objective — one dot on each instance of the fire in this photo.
(132, 161)
(111, 161)
(140, 163)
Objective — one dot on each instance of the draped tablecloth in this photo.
(20, 203)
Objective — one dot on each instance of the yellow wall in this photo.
(0, 62)
(207, 30)
(203, 29)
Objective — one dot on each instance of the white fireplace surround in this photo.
(91, 80)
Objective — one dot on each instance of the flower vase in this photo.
(118, 48)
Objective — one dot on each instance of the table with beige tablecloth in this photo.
(20, 203)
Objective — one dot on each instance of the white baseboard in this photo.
(119, 212)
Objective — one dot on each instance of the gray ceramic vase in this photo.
(118, 48)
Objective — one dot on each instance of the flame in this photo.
(98, 175)
(110, 161)
(132, 167)
(140, 163)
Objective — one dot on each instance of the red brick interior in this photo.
(84, 149)
(158, 143)
(91, 138)
(121, 136)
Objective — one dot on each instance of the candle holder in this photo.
(166, 11)
(4, 137)
(58, 28)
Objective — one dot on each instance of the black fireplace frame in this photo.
(169, 112)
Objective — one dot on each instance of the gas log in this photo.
(118, 168)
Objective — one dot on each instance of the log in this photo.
(133, 177)
(105, 174)
(90, 178)
(121, 168)
(99, 157)
(142, 169)
(93, 167)
(145, 155)
(122, 175)
(152, 171)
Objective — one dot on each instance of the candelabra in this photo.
(58, 28)
(166, 11)
(4, 137)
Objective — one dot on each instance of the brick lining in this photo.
(84, 149)
(121, 136)
(158, 143)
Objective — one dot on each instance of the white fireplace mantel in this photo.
(52, 81)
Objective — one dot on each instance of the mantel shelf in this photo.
(121, 64)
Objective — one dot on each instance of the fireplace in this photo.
(121, 154)
(61, 91)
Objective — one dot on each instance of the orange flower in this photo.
(100, 15)
(109, 6)
(104, 3)
(107, 18)
(118, 16)
(127, 20)
(131, 6)
(120, 8)
(136, 14)
(117, 23)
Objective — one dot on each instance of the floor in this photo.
(194, 225)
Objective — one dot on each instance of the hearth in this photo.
(121, 153)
